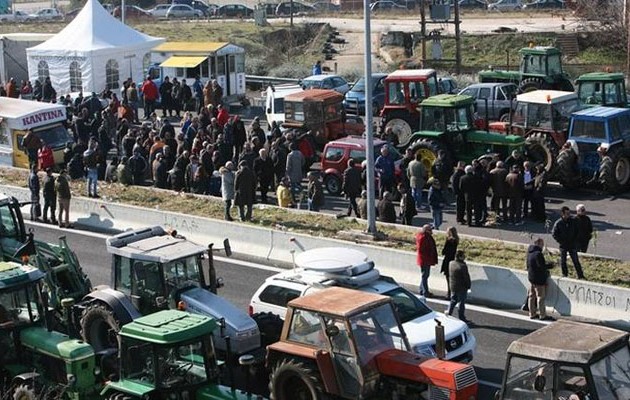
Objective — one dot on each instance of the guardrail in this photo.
(269, 79)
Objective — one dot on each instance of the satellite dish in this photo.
(330, 259)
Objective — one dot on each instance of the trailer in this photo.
(19, 116)
(222, 61)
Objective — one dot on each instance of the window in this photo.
(294, 111)
(359, 155)
(432, 83)
(221, 65)
(416, 91)
(278, 295)
(122, 267)
(472, 92)
(183, 271)
(306, 328)
(335, 154)
(76, 84)
(42, 71)
(7, 223)
(112, 77)
(138, 361)
(485, 93)
(327, 84)
(588, 129)
(396, 93)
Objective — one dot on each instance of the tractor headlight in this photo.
(71, 379)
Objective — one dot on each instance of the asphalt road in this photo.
(494, 329)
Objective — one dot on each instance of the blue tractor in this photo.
(597, 150)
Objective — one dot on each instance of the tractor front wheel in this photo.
(428, 150)
(541, 149)
(24, 392)
(567, 171)
(119, 396)
(614, 171)
(333, 185)
(294, 380)
(401, 128)
(99, 327)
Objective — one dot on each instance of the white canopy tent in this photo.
(92, 53)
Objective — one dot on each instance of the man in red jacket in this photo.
(150, 92)
(426, 256)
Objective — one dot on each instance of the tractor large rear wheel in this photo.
(565, 85)
(541, 149)
(429, 150)
(567, 171)
(294, 380)
(614, 170)
(401, 128)
(531, 84)
(99, 327)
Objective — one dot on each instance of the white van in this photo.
(274, 101)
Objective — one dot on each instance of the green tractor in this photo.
(541, 68)
(448, 126)
(166, 355)
(602, 88)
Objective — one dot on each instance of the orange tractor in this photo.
(345, 344)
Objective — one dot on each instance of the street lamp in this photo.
(369, 142)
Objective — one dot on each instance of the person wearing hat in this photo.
(50, 197)
(436, 202)
(244, 190)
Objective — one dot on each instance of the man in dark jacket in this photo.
(384, 166)
(470, 186)
(263, 167)
(166, 92)
(537, 274)
(499, 190)
(244, 190)
(584, 228)
(459, 283)
(565, 233)
(33, 186)
(160, 172)
(50, 196)
(351, 186)
(460, 200)
(515, 187)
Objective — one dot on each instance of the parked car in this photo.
(542, 4)
(500, 98)
(183, 11)
(326, 6)
(133, 12)
(45, 14)
(320, 268)
(334, 82)
(284, 8)
(337, 153)
(506, 5)
(208, 10)
(468, 4)
(159, 11)
(234, 11)
(354, 101)
(448, 85)
(16, 16)
(386, 5)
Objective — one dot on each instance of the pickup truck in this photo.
(499, 99)
(45, 14)
(16, 16)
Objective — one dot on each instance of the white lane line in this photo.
(491, 384)
(249, 264)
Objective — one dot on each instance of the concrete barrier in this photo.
(491, 285)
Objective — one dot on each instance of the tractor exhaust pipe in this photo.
(440, 342)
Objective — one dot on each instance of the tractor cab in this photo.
(21, 302)
(602, 88)
(405, 89)
(169, 353)
(568, 360)
(321, 112)
(352, 345)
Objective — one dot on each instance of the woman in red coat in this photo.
(426, 257)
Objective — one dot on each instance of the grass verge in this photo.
(491, 252)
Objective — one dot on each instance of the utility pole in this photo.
(369, 140)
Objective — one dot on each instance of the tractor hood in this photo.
(493, 75)
(493, 138)
(242, 329)
(55, 344)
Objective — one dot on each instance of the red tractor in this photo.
(349, 344)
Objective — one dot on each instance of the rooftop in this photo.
(601, 112)
(169, 326)
(339, 301)
(410, 73)
(448, 100)
(546, 96)
(358, 141)
(567, 341)
(18, 108)
(315, 95)
(14, 274)
(601, 76)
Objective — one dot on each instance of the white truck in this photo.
(18, 116)
(274, 101)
